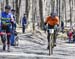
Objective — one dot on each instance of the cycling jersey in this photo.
(52, 21)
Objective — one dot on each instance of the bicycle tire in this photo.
(51, 45)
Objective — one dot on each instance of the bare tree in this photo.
(41, 13)
(52, 5)
(65, 10)
(13, 2)
(2, 5)
(7, 2)
(71, 8)
(27, 7)
(59, 9)
(18, 5)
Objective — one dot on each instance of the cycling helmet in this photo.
(7, 7)
(53, 14)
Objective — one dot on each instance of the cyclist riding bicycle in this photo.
(6, 22)
(52, 21)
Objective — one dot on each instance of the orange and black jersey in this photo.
(52, 21)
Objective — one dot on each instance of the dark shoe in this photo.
(12, 44)
(8, 49)
(48, 47)
(4, 47)
(54, 45)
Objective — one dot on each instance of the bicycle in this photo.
(51, 41)
(51, 37)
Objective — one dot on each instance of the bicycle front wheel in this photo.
(51, 45)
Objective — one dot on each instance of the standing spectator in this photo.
(14, 24)
(70, 35)
(13, 28)
(24, 22)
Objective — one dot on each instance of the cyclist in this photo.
(6, 21)
(51, 21)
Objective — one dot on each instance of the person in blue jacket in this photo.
(6, 21)
(14, 24)
(13, 28)
(24, 22)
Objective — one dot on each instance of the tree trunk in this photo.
(52, 5)
(13, 4)
(7, 2)
(71, 7)
(65, 11)
(1, 7)
(59, 9)
(33, 14)
(27, 11)
(18, 4)
(41, 13)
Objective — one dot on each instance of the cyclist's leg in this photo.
(23, 29)
(54, 38)
(48, 38)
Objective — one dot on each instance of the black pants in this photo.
(23, 29)
(7, 30)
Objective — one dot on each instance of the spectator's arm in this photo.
(12, 19)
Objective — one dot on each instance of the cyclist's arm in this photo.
(46, 21)
(57, 18)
